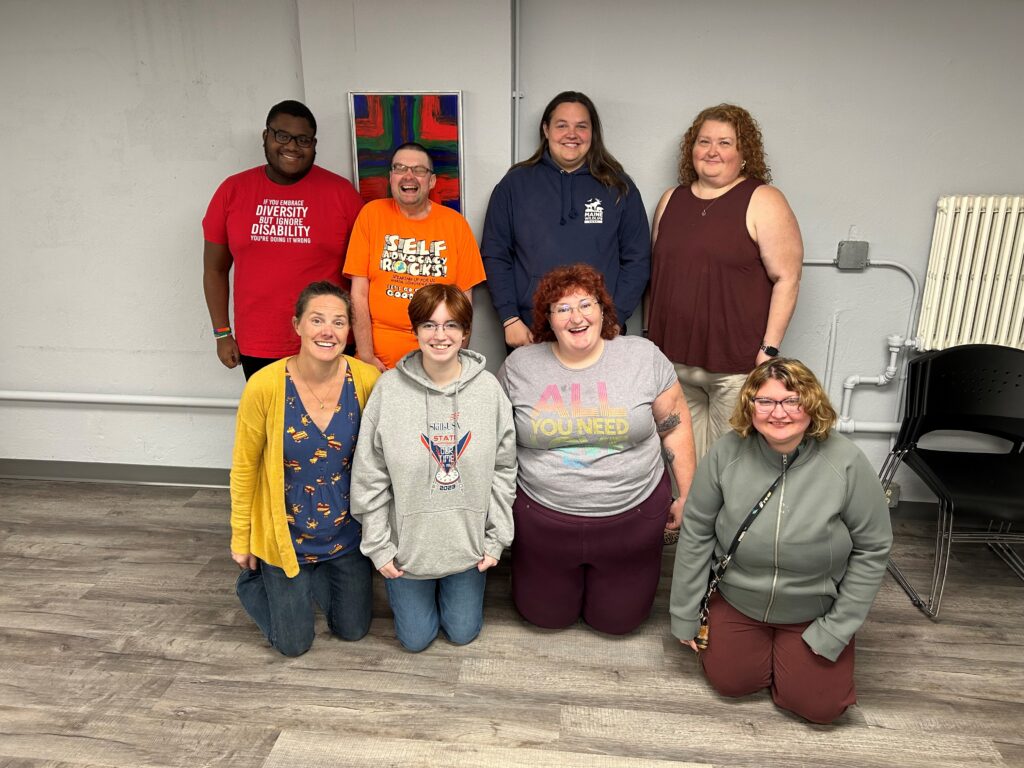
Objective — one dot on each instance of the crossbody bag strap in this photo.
(718, 571)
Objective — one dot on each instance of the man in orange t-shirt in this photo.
(397, 246)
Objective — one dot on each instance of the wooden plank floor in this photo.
(123, 645)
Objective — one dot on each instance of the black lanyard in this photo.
(718, 571)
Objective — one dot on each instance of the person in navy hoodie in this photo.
(570, 202)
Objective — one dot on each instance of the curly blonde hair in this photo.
(796, 377)
(748, 142)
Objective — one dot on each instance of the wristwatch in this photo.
(769, 350)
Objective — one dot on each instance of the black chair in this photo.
(975, 388)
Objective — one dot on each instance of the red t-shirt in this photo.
(400, 255)
(282, 237)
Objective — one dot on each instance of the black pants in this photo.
(252, 364)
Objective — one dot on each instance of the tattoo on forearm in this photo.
(669, 455)
(669, 423)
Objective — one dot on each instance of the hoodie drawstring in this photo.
(568, 182)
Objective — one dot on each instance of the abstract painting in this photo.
(381, 122)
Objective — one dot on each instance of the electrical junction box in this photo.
(892, 495)
(852, 255)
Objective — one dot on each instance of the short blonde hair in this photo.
(796, 377)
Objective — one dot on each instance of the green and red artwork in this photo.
(382, 122)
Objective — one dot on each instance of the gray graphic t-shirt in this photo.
(587, 442)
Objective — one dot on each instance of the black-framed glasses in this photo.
(283, 137)
(448, 326)
(765, 405)
(419, 171)
(587, 307)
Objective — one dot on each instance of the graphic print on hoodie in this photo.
(446, 448)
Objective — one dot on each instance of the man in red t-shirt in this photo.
(281, 226)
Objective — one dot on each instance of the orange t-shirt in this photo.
(398, 255)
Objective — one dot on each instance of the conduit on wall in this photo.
(224, 403)
(895, 344)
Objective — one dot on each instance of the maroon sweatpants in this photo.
(745, 655)
(605, 569)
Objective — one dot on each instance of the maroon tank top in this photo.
(709, 289)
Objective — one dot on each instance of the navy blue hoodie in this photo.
(541, 217)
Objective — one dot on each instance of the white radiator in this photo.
(973, 293)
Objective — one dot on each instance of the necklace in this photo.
(309, 389)
(708, 206)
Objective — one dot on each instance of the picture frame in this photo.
(383, 121)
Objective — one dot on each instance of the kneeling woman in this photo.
(594, 412)
(435, 473)
(801, 581)
(291, 530)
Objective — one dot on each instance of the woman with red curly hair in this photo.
(726, 266)
(595, 414)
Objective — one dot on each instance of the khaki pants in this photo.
(711, 398)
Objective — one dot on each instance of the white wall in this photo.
(127, 114)
(870, 112)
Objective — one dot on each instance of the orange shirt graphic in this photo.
(399, 255)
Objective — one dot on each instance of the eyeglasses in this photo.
(448, 326)
(564, 311)
(283, 137)
(766, 405)
(419, 171)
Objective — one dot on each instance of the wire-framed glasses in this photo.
(765, 405)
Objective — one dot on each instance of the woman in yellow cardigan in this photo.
(291, 531)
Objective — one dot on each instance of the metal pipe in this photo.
(160, 401)
(909, 341)
(868, 426)
(830, 352)
(517, 94)
(895, 345)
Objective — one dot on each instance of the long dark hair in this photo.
(602, 164)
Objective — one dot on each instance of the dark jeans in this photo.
(283, 608)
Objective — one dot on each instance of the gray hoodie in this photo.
(434, 473)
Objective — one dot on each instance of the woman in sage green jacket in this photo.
(805, 574)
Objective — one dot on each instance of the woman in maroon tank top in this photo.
(726, 266)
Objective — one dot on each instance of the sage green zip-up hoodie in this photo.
(817, 552)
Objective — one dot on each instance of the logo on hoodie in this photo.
(593, 211)
(446, 452)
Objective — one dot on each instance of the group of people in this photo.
(589, 450)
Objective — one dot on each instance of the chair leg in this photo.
(931, 604)
(943, 549)
(1006, 552)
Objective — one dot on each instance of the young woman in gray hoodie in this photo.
(434, 475)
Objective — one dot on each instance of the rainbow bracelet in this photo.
(222, 333)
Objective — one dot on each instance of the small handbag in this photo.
(718, 569)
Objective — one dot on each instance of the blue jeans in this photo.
(283, 608)
(454, 603)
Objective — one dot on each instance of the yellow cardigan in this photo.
(258, 522)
